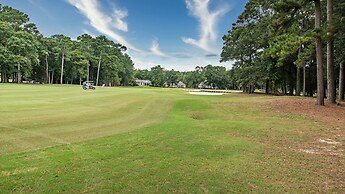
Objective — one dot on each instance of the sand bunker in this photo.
(206, 93)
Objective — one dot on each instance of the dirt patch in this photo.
(196, 116)
(329, 141)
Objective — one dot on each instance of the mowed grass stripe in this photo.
(178, 155)
(75, 115)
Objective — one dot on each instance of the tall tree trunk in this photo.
(331, 94)
(47, 81)
(3, 76)
(298, 84)
(291, 87)
(88, 72)
(304, 81)
(320, 82)
(52, 80)
(99, 67)
(62, 63)
(19, 76)
(290, 79)
(342, 81)
(92, 73)
(267, 86)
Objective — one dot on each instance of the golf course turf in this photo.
(61, 139)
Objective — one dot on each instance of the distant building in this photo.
(181, 85)
(171, 85)
(174, 85)
(204, 85)
(143, 82)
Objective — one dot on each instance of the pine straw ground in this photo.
(327, 144)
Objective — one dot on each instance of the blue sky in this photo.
(176, 34)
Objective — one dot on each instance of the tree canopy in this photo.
(25, 54)
(272, 41)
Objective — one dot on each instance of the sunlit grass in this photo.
(147, 140)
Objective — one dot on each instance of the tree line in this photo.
(291, 47)
(217, 77)
(25, 54)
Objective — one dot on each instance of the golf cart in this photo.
(88, 85)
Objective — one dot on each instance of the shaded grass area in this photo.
(220, 144)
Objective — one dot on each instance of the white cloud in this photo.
(155, 49)
(208, 22)
(119, 15)
(102, 22)
(186, 64)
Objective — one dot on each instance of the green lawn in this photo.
(57, 139)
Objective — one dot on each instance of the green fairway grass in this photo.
(39, 116)
(61, 139)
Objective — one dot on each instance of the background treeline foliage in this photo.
(26, 55)
(282, 45)
(216, 77)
